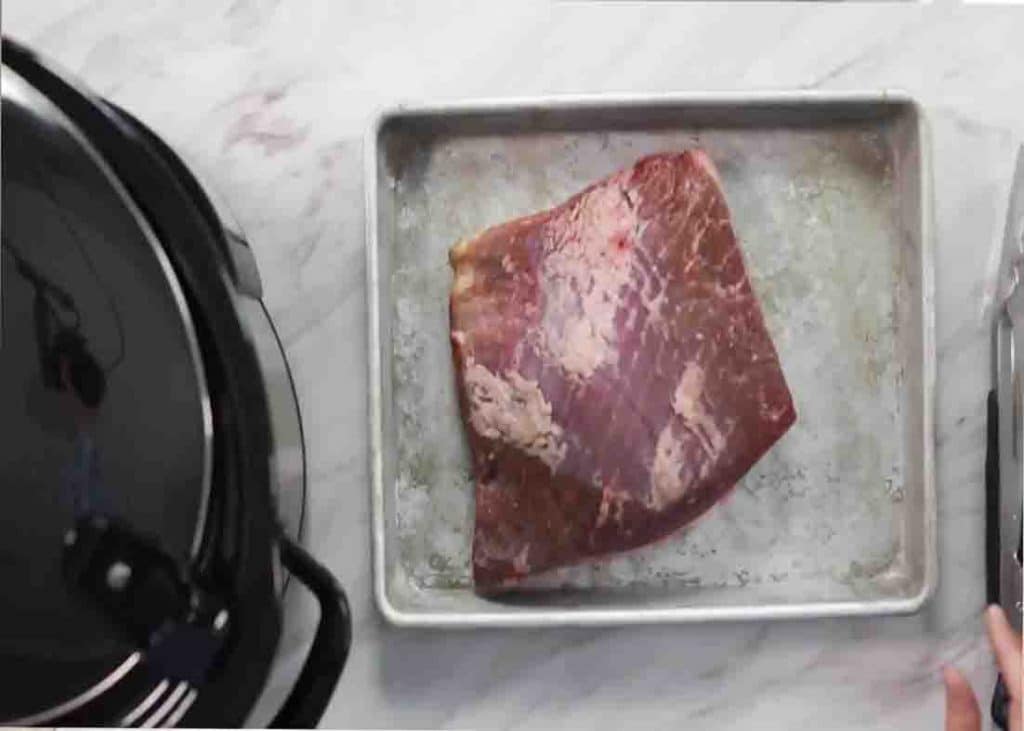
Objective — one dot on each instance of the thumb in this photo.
(962, 712)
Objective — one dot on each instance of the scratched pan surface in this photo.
(830, 200)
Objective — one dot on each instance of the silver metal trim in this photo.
(418, 617)
(22, 92)
(147, 702)
(81, 699)
(167, 706)
(182, 708)
(288, 456)
(370, 177)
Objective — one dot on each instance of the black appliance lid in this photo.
(104, 410)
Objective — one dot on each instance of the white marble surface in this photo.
(270, 99)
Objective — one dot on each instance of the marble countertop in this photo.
(270, 99)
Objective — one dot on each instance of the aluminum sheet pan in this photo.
(830, 197)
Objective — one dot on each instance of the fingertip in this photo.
(958, 689)
(962, 710)
(952, 677)
(997, 624)
(995, 616)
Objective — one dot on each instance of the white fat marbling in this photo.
(270, 99)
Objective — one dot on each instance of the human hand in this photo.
(962, 711)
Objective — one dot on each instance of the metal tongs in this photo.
(1004, 468)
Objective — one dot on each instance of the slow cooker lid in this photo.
(105, 416)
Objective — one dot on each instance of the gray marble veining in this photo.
(269, 99)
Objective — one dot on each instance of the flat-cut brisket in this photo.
(614, 370)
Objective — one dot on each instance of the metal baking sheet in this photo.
(830, 200)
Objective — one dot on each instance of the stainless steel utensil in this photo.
(1004, 473)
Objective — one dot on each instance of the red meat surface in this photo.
(614, 371)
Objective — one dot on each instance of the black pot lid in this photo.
(104, 411)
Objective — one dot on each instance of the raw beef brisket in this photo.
(614, 370)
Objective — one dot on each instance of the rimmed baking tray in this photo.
(830, 198)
